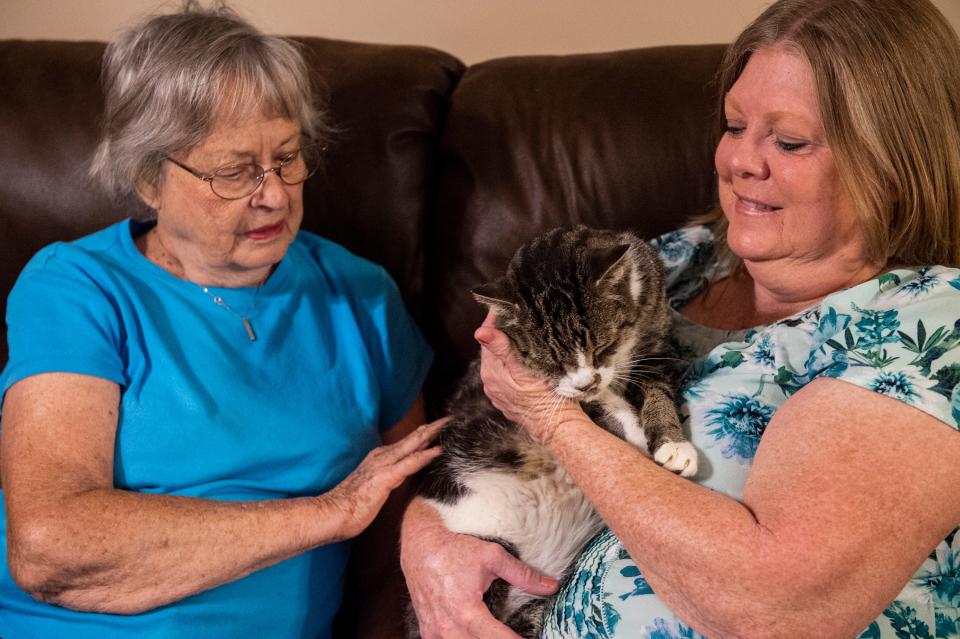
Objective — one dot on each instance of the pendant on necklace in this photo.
(247, 325)
(219, 301)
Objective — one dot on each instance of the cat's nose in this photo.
(590, 386)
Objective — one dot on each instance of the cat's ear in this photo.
(610, 262)
(494, 295)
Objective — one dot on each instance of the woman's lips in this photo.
(265, 232)
(750, 206)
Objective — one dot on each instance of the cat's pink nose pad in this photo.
(592, 386)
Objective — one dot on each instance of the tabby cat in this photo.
(587, 310)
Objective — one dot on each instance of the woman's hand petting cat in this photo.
(520, 395)
(361, 495)
(447, 575)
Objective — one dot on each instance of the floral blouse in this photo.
(896, 335)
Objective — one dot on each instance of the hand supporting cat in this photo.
(455, 603)
(530, 402)
(521, 396)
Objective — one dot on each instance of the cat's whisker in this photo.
(639, 359)
(636, 378)
(644, 360)
(555, 406)
(617, 385)
(660, 359)
(538, 405)
(632, 377)
(636, 370)
(630, 365)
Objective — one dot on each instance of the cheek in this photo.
(225, 217)
(195, 213)
(812, 190)
(296, 206)
(218, 224)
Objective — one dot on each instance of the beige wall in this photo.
(473, 30)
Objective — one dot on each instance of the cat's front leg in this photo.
(620, 418)
(664, 433)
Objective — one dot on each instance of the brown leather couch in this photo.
(439, 171)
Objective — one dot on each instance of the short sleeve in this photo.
(902, 342)
(59, 319)
(400, 355)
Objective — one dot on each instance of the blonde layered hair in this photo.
(888, 81)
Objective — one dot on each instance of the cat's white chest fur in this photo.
(547, 518)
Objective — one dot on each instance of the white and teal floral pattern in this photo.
(897, 335)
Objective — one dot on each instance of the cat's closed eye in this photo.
(604, 348)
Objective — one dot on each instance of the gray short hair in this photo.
(169, 79)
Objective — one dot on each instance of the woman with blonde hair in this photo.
(821, 319)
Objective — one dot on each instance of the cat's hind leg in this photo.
(527, 621)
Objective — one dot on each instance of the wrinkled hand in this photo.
(448, 573)
(361, 495)
(520, 395)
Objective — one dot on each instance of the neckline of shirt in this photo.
(276, 284)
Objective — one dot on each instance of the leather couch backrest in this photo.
(437, 172)
(620, 140)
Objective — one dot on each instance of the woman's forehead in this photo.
(779, 84)
(248, 136)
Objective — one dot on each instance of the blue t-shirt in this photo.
(206, 412)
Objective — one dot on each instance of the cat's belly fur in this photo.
(547, 519)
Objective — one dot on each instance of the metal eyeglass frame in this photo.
(209, 177)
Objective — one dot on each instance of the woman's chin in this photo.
(262, 257)
(753, 247)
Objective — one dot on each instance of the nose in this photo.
(272, 193)
(746, 159)
(590, 386)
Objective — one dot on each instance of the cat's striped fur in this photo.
(587, 310)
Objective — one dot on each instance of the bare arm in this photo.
(75, 541)
(838, 513)
(848, 494)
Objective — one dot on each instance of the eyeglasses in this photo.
(240, 180)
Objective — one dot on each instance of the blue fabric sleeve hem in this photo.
(18, 371)
(930, 403)
(390, 419)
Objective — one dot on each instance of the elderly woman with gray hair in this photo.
(187, 453)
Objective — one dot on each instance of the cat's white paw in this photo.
(680, 457)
